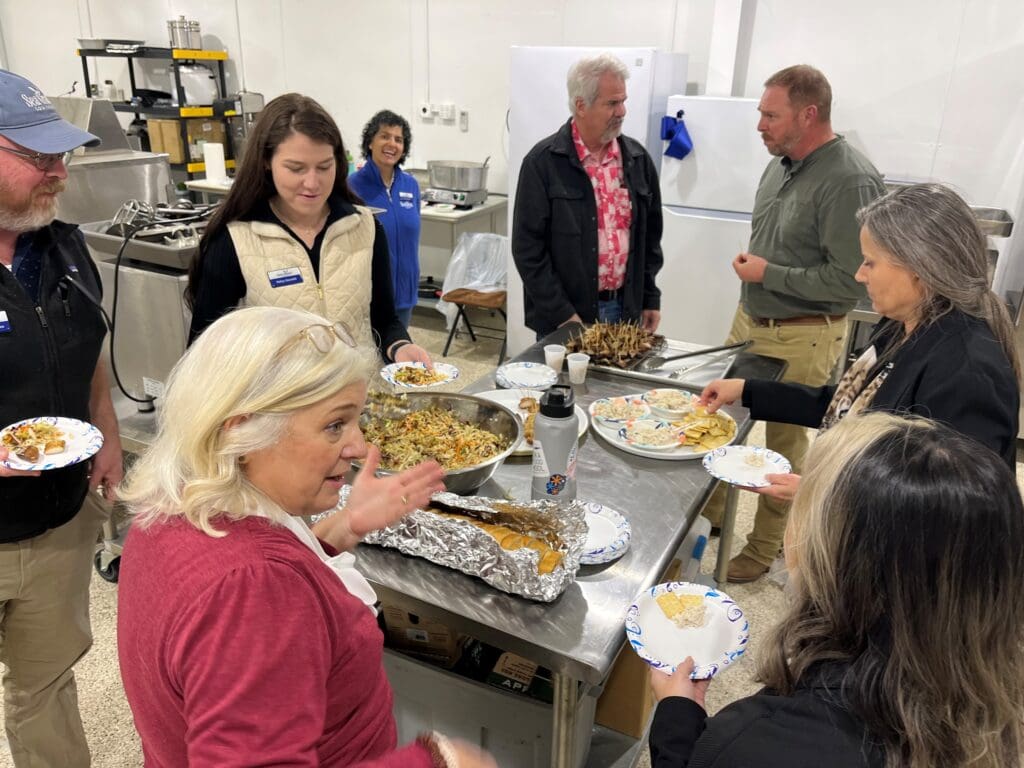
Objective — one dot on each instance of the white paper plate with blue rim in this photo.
(746, 465)
(525, 376)
(392, 374)
(651, 435)
(81, 441)
(608, 534)
(630, 406)
(714, 646)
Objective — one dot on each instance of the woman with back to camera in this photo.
(901, 645)
(944, 348)
(382, 183)
(245, 637)
(291, 234)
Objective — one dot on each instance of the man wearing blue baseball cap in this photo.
(50, 340)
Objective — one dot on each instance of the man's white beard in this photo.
(36, 217)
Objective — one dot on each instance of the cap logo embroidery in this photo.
(37, 101)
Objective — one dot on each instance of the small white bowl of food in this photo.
(670, 403)
(652, 435)
(613, 412)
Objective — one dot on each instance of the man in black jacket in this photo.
(586, 234)
(50, 339)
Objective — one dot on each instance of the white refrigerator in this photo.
(539, 105)
(707, 198)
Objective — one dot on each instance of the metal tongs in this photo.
(655, 362)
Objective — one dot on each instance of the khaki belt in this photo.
(768, 322)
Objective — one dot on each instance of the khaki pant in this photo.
(44, 630)
(812, 352)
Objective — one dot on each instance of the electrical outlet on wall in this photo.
(463, 120)
(446, 111)
(426, 111)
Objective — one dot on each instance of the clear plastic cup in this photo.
(554, 354)
(578, 367)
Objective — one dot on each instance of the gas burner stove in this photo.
(458, 198)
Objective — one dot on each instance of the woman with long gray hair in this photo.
(901, 645)
(944, 348)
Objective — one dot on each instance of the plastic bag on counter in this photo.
(478, 263)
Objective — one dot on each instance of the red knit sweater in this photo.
(248, 651)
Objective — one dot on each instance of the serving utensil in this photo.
(657, 361)
(682, 373)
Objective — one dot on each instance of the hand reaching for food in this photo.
(721, 392)
(413, 353)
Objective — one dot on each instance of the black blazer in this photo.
(809, 729)
(953, 371)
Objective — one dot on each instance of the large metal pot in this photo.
(458, 175)
(482, 413)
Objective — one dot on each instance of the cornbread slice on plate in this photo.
(685, 611)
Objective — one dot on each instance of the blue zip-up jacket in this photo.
(401, 222)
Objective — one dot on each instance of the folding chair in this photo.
(476, 278)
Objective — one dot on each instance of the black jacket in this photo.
(554, 233)
(953, 371)
(809, 729)
(48, 358)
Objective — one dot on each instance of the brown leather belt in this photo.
(768, 322)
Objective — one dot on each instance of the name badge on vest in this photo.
(282, 277)
(5, 324)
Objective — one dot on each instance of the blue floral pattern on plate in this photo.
(525, 376)
(730, 464)
(716, 645)
(613, 540)
(388, 372)
(82, 440)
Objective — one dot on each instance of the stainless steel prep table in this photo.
(580, 634)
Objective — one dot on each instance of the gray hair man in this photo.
(798, 273)
(586, 232)
(50, 339)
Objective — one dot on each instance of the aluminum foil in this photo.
(458, 544)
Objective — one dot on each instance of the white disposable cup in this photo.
(578, 367)
(554, 354)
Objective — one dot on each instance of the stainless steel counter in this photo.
(579, 635)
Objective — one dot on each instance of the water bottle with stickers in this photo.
(554, 447)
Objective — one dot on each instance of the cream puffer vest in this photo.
(345, 286)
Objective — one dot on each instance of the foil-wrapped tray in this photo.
(460, 545)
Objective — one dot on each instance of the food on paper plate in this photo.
(615, 344)
(529, 404)
(685, 611)
(653, 433)
(418, 377)
(511, 540)
(30, 441)
(670, 399)
(755, 459)
(619, 408)
(706, 431)
(431, 433)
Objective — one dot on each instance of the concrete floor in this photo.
(105, 712)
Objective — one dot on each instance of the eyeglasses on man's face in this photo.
(323, 336)
(42, 162)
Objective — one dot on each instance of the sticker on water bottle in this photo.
(555, 484)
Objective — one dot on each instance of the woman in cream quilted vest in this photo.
(291, 234)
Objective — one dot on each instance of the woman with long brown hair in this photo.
(292, 234)
(902, 643)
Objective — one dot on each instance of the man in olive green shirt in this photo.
(797, 277)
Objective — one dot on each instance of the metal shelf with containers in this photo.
(188, 118)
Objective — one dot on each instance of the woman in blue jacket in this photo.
(381, 183)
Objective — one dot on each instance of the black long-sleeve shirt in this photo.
(222, 285)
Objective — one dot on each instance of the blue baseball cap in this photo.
(28, 118)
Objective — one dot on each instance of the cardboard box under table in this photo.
(165, 136)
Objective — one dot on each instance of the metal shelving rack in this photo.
(176, 56)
